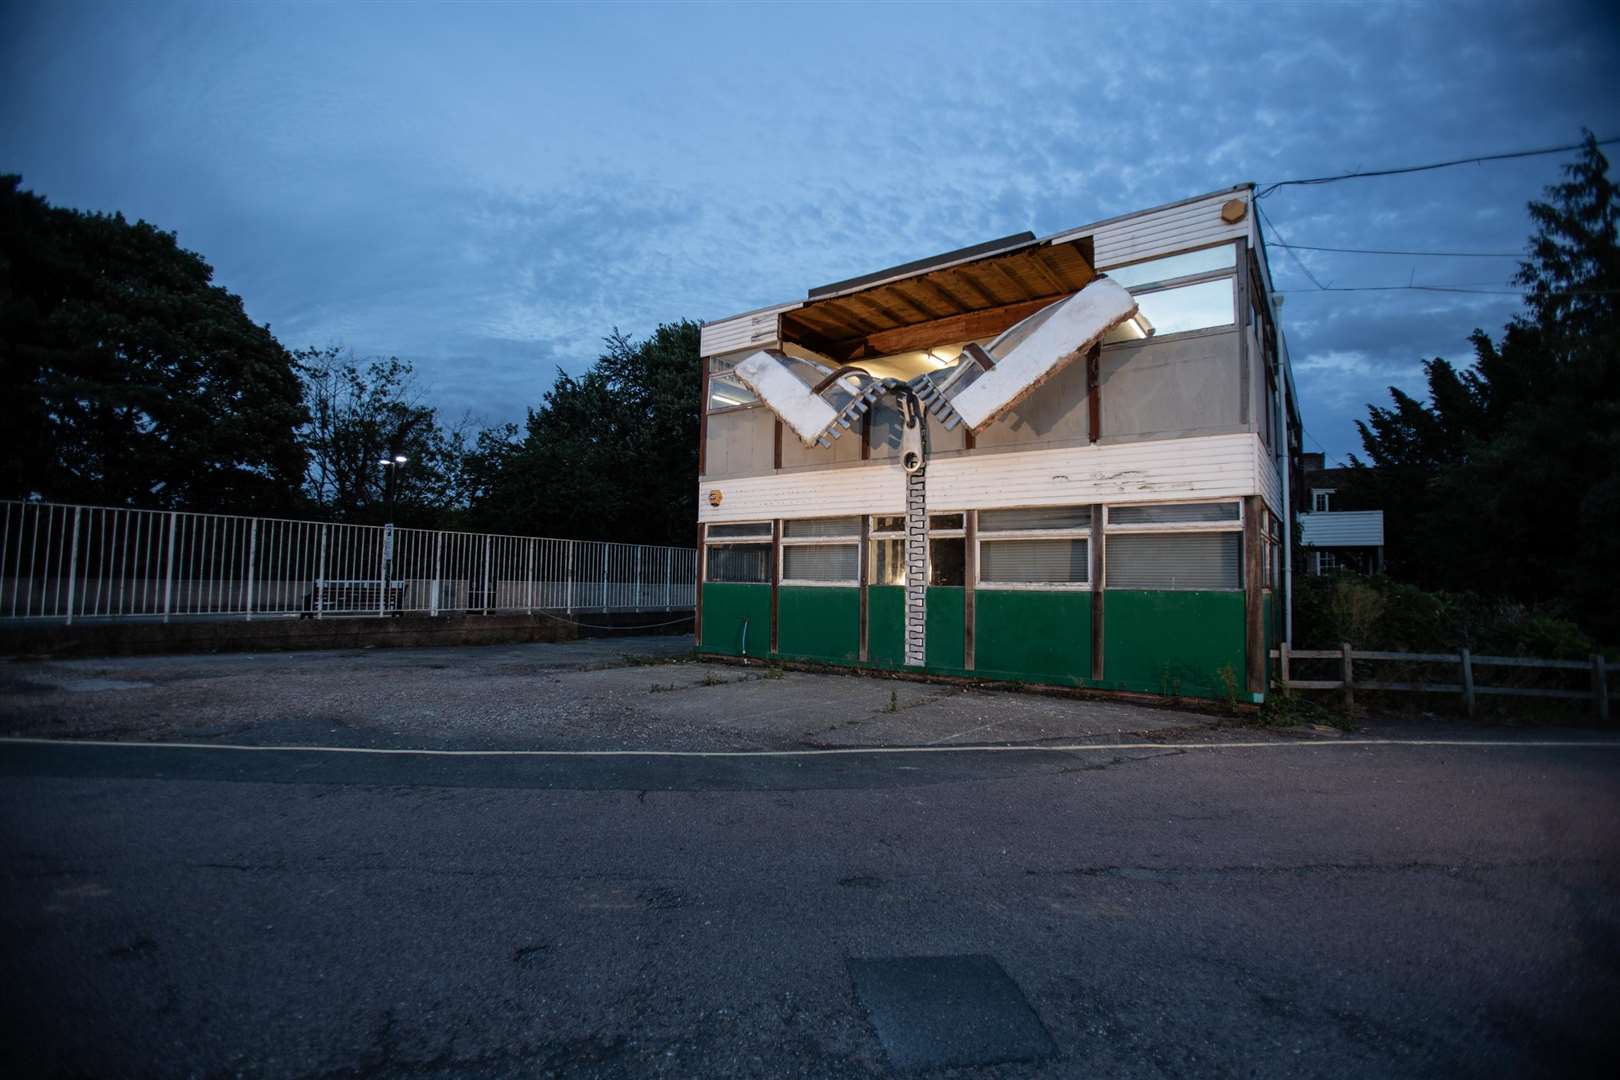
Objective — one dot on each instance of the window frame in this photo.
(838, 540)
(1072, 532)
(710, 541)
(876, 535)
(1180, 281)
(729, 366)
(1235, 525)
(1323, 496)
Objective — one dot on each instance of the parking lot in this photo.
(464, 862)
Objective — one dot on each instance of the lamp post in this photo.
(391, 466)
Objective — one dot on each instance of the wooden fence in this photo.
(1463, 661)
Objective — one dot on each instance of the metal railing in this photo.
(1464, 663)
(69, 563)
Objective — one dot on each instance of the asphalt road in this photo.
(1303, 909)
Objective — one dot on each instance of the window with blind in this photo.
(1055, 561)
(748, 564)
(1185, 560)
(1175, 514)
(808, 557)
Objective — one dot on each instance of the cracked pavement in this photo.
(1309, 909)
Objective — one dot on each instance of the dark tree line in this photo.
(132, 379)
(1506, 481)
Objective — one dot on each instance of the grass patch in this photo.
(1296, 710)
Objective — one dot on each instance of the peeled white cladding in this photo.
(1029, 353)
(766, 374)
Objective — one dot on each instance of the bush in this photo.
(1382, 614)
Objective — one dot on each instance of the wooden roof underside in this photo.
(964, 302)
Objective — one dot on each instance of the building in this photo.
(1332, 538)
(1050, 460)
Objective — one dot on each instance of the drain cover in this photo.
(932, 1011)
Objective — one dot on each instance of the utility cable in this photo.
(1476, 159)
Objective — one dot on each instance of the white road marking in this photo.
(849, 751)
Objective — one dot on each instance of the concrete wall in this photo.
(232, 635)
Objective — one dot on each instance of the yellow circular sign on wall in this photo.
(715, 497)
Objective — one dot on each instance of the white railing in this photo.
(94, 562)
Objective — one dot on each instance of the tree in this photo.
(129, 376)
(1507, 480)
(361, 416)
(610, 454)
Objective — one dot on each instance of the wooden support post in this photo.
(1096, 568)
(1600, 686)
(1282, 664)
(697, 585)
(1348, 667)
(1254, 571)
(1468, 682)
(776, 579)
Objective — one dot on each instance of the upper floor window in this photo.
(1192, 290)
(1321, 499)
(726, 391)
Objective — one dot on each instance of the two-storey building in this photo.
(1051, 460)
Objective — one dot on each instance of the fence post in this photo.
(320, 579)
(73, 564)
(438, 554)
(382, 570)
(669, 573)
(638, 578)
(1282, 664)
(1349, 674)
(486, 575)
(607, 557)
(1600, 686)
(529, 595)
(168, 572)
(1468, 681)
(253, 556)
(569, 592)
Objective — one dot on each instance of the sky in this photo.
(487, 190)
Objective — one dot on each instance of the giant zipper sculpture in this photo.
(820, 406)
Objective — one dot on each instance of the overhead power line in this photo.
(1477, 159)
(1392, 251)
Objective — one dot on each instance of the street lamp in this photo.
(390, 481)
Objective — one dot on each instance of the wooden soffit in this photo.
(967, 298)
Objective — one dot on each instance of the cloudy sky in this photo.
(487, 190)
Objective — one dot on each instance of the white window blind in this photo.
(813, 527)
(821, 562)
(1058, 561)
(1173, 514)
(1045, 517)
(1175, 561)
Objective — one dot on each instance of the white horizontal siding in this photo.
(1265, 468)
(1209, 467)
(758, 330)
(1190, 225)
(1343, 528)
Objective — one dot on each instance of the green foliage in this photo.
(130, 377)
(1507, 480)
(363, 415)
(611, 454)
(1380, 613)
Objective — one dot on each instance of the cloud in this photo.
(489, 191)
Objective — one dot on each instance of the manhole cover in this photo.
(933, 1011)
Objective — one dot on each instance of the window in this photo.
(742, 556)
(1327, 562)
(1189, 291)
(726, 391)
(1175, 546)
(947, 550)
(1046, 547)
(1321, 499)
(821, 551)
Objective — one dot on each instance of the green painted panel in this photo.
(945, 627)
(886, 625)
(819, 623)
(1173, 643)
(726, 608)
(1021, 633)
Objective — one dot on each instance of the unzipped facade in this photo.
(1056, 460)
